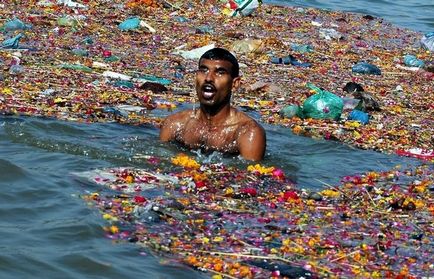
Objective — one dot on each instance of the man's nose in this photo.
(209, 76)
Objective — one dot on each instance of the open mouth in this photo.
(208, 91)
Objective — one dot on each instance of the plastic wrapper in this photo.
(412, 61)
(360, 116)
(130, 24)
(366, 68)
(322, 105)
(14, 25)
(241, 7)
(428, 41)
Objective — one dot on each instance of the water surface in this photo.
(48, 231)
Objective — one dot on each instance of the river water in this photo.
(48, 231)
(417, 15)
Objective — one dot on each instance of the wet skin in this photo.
(216, 125)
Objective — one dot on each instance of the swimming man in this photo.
(216, 125)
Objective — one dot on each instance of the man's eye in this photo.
(221, 72)
(203, 70)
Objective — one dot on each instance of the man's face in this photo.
(214, 82)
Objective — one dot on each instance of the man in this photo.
(216, 125)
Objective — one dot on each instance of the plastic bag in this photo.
(290, 111)
(412, 61)
(360, 116)
(301, 48)
(130, 24)
(241, 7)
(12, 42)
(77, 67)
(428, 41)
(322, 105)
(194, 53)
(366, 68)
(67, 21)
(71, 4)
(248, 46)
(14, 25)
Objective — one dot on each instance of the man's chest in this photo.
(222, 138)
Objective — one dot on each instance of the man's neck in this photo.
(215, 117)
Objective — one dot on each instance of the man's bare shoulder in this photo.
(174, 124)
(179, 117)
(245, 120)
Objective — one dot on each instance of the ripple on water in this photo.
(10, 172)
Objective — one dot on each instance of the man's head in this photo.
(224, 55)
(217, 76)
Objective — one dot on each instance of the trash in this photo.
(290, 111)
(248, 45)
(12, 43)
(428, 41)
(241, 7)
(80, 52)
(205, 29)
(429, 66)
(366, 68)
(329, 33)
(115, 75)
(322, 105)
(367, 101)
(15, 25)
(154, 87)
(424, 154)
(289, 60)
(360, 116)
(284, 270)
(77, 67)
(194, 53)
(301, 48)
(352, 87)
(71, 4)
(16, 70)
(99, 65)
(350, 103)
(149, 27)
(67, 21)
(150, 78)
(130, 24)
(123, 84)
(412, 61)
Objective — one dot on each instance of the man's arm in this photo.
(168, 128)
(252, 141)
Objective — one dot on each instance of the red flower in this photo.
(249, 191)
(291, 195)
(139, 199)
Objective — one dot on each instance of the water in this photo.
(47, 231)
(417, 15)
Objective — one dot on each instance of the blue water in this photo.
(48, 231)
(417, 15)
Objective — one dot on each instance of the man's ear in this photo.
(236, 83)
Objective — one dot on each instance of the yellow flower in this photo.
(260, 169)
(185, 161)
(114, 229)
(218, 239)
(330, 193)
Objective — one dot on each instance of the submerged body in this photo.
(216, 125)
(236, 134)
